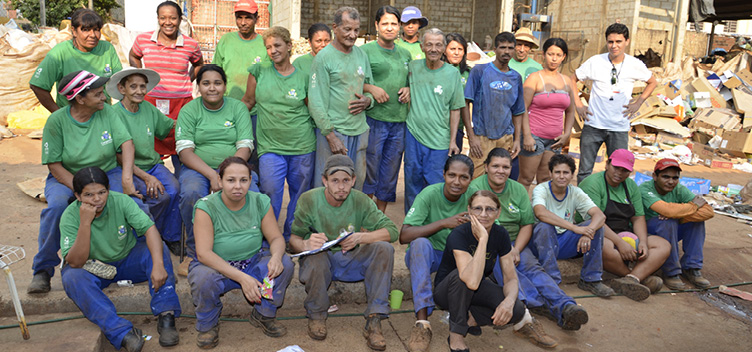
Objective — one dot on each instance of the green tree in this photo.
(58, 10)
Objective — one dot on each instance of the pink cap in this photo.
(622, 158)
(246, 6)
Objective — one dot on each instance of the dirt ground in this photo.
(688, 321)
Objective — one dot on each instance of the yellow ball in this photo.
(631, 242)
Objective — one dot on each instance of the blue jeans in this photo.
(537, 288)
(422, 260)
(590, 142)
(164, 208)
(549, 246)
(85, 289)
(176, 164)
(423, 167)
(58, 197)
(386, 142)
(371, 263)
(253, 160)
(194, 186)
(356, 149)
(207, 285)
(692, 235)
(297, 169)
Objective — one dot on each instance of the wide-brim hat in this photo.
(413, 13)
(151, 76)
(526, 35)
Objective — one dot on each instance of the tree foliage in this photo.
(58, 10)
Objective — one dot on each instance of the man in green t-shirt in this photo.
(618, 197)
(521, 61)
(412, 21)
(676, 214)
(336, 99)
(325, 213)
(436, 97)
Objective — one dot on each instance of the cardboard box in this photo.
(701, 84)
(715, 119)
(668, 138)
(574, 150)
(648, 108)
(737, 143)
(707, 157)
(746, 76)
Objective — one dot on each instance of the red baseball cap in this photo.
(666, 163)
(622, 158)
(246, 6)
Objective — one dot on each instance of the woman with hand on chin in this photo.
(463, 282)
(229, 228)
(210, 129)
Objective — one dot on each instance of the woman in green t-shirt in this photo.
(229, 227)
(285, 130)
(85, 133)
(210, 129)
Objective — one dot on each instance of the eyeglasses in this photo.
(479, 210)
(613, 75)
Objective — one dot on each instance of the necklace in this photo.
(615, 74)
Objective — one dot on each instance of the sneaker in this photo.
(534, 332)
(40, 283)
(133, 340)
(630, 288)
(573, 316)
(269, 326)
(654, 283)
(209, 339)
(168, 335)
(694, 276)
(372, 332)
(317, 328)
(420, 338)
(674, 282)
(596, 287)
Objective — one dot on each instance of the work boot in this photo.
(631, 288)
(133, 340)
(534, 332)
(693, 275)
(168, 335)
(543, 311)
(174, 248)
(372, 332)
(40, 283)
(573, 316)
(317, 328)
(654, 283)
(208, 339)
(420, 338)
(596, 287)
(269, 326)
(674, 283)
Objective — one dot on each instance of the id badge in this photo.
(163, 106)
(614, 91)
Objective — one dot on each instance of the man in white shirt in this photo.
(607, 117)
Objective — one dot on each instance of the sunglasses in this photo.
(613, 75)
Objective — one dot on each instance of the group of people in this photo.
(334, 125)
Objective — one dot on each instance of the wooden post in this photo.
(712, 37)
(91, 4)
(472, 22)
(42, 13)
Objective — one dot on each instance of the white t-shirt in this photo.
(608, 114)
(574, 200)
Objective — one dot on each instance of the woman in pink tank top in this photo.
(549, 99)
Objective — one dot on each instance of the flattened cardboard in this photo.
(664, 124)
(714, 119)
(701, 84)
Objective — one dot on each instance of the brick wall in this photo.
(325, 13)
(203, 18)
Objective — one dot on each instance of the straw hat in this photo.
(526, 35)
(112, 84)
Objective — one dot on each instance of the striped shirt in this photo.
(171, 62)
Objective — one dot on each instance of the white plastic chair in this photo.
(8, 256)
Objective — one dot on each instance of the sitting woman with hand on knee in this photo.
(229, 228)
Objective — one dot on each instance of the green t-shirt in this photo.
(145, 125)
(413, 48)
(78, 145)
(430, 206)
(303, 63)
(433, 95)
(64, 58)
(525, 68)
(515, 204)
(595, 187)
(284, 125)
(237, 234)
(335, 79)
(463, 77)
(575, 202)
(389, 67)
(235, 55)
(680, 194)
(313, 214)
(111, 232)
(215, 133)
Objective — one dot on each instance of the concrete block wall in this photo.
(325, 13)
(486, 20)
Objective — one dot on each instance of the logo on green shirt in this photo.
(46, 148)
(464, 80)
(148, 131)
(439, 90)
(107, 70)
(121, 232)
(292, 94)
(360, 71)
(106, 138)
(513, 209)
(257, 59)
(228, 124)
